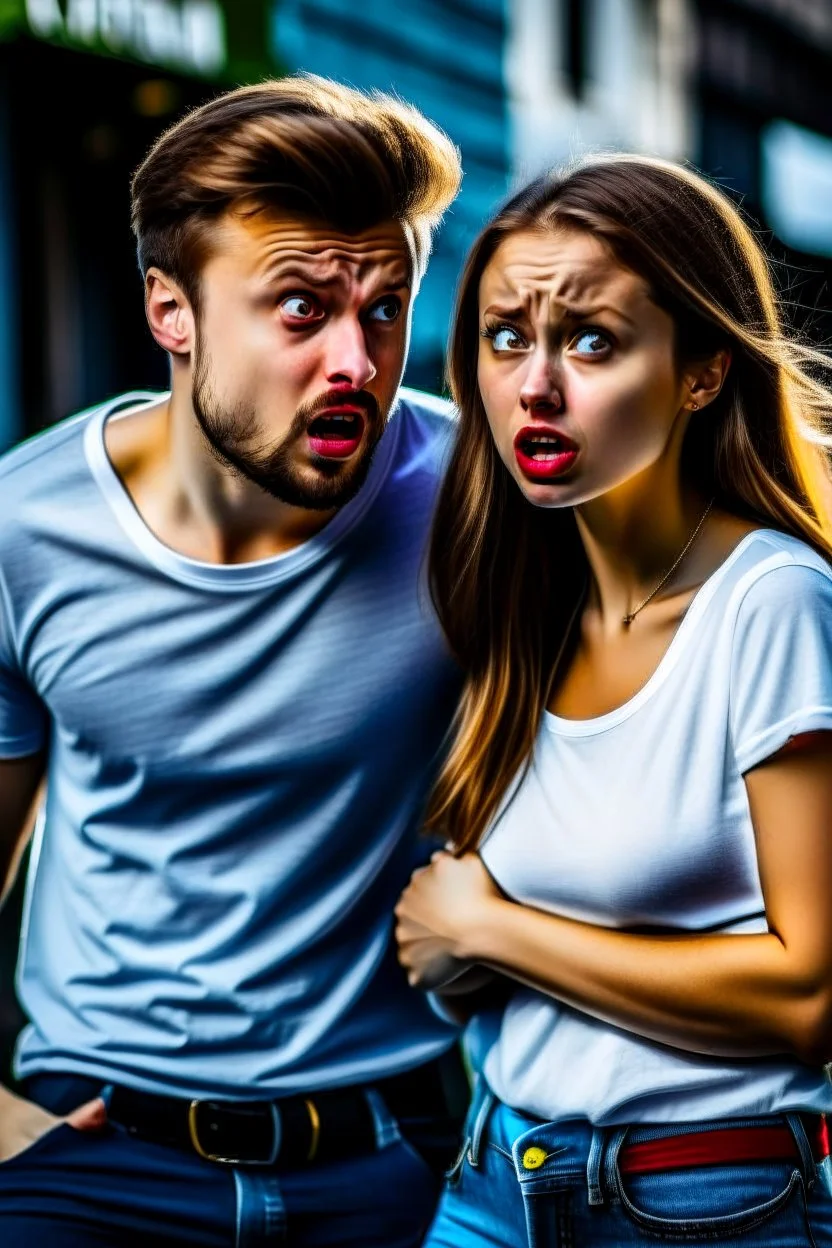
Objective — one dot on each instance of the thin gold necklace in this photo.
(628, 619)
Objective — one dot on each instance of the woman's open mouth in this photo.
(543, 454)
(336, 433)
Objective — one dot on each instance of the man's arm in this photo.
(20, 780)
(21, 1122)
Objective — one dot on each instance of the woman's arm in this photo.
(722, 995)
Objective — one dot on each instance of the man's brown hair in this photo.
(303, 145)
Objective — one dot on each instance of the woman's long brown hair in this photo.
(507, 577)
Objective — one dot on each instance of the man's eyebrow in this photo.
(282, 270)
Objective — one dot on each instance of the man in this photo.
(215, 644)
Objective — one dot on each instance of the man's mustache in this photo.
(340, 398)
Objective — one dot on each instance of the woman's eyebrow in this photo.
(565, 312)
(511, 314)
(574, 313)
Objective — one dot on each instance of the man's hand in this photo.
(22, 1122)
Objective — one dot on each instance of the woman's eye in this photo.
(300, 308)
(591, 342)
(504, 338)
(386, 310)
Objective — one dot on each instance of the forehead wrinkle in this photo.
(332, 266)
(560, 267)
(262, 242)
(544, 302)
(563, 287)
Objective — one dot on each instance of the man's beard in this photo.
(233, 435)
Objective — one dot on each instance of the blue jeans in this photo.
(72, 1189)
(573, 1195)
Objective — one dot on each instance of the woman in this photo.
(631, 562)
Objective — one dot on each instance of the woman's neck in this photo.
(632, 536)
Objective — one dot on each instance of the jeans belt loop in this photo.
(593, 1166)
(385, 1124)
(610, 1168)
(478, 1129)
(807, 1161)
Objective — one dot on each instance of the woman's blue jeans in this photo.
(568, 1192)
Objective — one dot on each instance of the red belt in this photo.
(724, 1146)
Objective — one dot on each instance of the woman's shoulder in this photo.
(774, 571)
(781, 645)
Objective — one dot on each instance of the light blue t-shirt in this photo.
(239, 758)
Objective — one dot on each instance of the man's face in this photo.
(300, 348)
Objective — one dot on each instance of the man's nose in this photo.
(542, 388)
(347, 357)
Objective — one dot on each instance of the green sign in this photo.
(207, 38)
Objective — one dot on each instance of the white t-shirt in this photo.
(640, 818)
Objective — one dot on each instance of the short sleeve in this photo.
(23, 720)
(781, 661)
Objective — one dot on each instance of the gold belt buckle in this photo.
(315, 1122)
(193, 1131)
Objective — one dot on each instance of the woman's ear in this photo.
(704, 383)
(169, 314)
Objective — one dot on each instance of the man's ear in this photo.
(705, 381)
(169, 313)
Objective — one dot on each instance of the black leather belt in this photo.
(295, 1130)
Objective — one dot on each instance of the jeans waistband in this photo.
(578, 1150)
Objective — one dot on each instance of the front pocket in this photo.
(715, 1203)
(41, 1144)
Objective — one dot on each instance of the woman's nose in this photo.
(541, 389)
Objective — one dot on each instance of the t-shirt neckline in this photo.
(563, 727)
(222, 576)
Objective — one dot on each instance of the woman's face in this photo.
(576, 368)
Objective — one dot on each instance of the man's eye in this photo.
(591, 342)
(505, 338)
(386, 310)
(300, 308)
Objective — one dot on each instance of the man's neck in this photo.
(191, 501)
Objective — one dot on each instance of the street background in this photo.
(741, 88)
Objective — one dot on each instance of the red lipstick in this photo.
(543, 453)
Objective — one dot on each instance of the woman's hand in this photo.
(439, 914)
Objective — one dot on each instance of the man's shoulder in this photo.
(427, 425)
(433, 412)
(44, 452)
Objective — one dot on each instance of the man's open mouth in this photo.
(336, 434)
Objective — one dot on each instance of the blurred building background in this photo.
(743, 88)
(86, 85)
